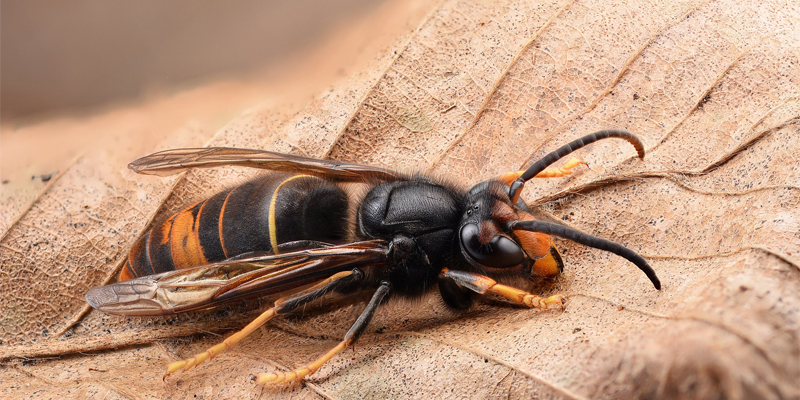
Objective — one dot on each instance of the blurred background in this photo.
(113, 76)
(63, 58)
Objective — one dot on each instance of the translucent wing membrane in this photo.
(170, 162)
(211, 285)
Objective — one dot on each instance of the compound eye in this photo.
(500, 252)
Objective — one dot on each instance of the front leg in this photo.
(349, 339)
(482, 284)
(549, 172)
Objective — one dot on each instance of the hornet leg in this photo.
(352, 335)
(282, 306)
(482, 284)
(549, 172)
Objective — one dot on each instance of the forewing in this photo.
(215, 284)
(170, 162)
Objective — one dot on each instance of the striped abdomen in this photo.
(256, 216)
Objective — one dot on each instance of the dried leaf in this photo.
(713, 88)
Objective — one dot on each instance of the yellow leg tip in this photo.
(185, 365)
(544, 303)
(172, 367)
(275, 378)
(557, 300)
(263, 379)
(175, 366)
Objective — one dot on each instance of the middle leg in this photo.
(349, 339)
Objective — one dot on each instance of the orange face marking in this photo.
(547, 265)
(536, 244)
(184, 241)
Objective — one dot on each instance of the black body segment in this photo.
(244, 220)
(310, 208)
(209, 232)
(418, 218)
(138, 260)
(424, 211)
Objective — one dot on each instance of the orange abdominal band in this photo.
(185, 240)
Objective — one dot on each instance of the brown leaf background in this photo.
(474, 90)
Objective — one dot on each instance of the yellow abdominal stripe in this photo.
(273, 230)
